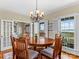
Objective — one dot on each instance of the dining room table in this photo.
(41, 42)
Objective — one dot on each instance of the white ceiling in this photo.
(25, 6)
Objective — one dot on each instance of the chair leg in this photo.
(37, 57)
(41, 56)
(60, 56)
(14, 56)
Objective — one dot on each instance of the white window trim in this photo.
(69, 50)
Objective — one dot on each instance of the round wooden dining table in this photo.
(41, 42)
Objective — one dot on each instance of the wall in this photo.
(36, 28)
(77, 33)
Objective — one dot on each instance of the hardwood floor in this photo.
(67, 56)
(64, 56)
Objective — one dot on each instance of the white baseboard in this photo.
(71, 51)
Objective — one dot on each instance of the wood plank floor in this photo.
(64, 56)
(67, 56)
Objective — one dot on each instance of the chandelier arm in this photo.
(37, 17)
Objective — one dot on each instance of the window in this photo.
(67, 30)
(41, 26)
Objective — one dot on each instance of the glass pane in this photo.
(67, 30)
(41, 25)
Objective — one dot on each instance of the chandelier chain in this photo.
(36, 5)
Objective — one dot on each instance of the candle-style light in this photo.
(36, 15)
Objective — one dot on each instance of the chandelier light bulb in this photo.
(31, 13)
(37, 11)
(42, 13)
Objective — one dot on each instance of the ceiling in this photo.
(25, 6)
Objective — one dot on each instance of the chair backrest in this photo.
(20, 48)
(26, 35)
(41, 34)
(13, 43)
(58, 45)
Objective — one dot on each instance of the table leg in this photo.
(45, 46)
(34, 47)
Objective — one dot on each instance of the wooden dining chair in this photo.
(13, 45)
(53, 53)
(21, 51)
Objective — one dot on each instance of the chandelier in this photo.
(36, 15)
